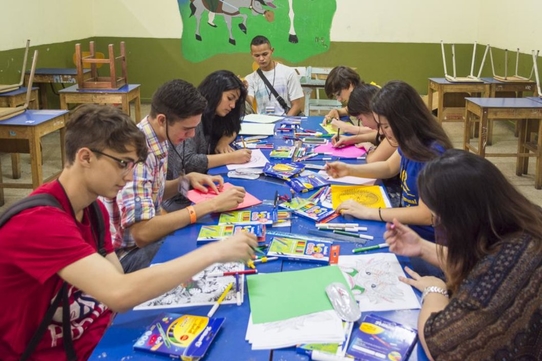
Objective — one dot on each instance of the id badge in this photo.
(184, 185)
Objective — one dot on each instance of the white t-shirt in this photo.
(285, 81)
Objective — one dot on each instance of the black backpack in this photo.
(45, 199)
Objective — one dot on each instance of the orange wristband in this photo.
(192, 214)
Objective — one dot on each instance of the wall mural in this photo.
(297, 29)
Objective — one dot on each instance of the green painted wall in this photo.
(151, 62)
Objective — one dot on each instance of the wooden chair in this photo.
(506, 78)
(9, 112)
(4, 88)
(113, 81)
(320, 104)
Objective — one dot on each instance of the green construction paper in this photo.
(283, 295)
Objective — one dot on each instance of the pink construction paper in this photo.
(198, 197)
(350, 151)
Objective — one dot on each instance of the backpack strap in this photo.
(273, 91)
(35, 200)
(44, 199)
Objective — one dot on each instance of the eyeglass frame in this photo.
(126, 165)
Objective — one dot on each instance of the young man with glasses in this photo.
(138, 222)
(66, 251)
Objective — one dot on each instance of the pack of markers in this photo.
(283, 170)
(307, 183)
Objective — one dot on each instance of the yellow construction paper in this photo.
(370, 196)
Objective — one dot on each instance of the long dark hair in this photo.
(476, 208)
(359, 101)
(212, 88)
(412, 124)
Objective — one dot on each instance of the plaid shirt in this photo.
(141, 198)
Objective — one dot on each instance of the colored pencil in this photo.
(232, 273)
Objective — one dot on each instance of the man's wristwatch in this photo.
(434, 289)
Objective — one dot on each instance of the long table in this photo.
(230, 343)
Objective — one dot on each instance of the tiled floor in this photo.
(503, 141)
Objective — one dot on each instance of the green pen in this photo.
(364, 236)
(370, 248)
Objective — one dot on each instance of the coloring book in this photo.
(201, 290)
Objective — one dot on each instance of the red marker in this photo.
(232, 273)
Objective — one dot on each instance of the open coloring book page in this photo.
(374, 280)
(201, 291)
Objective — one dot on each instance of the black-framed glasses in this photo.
(126, 165)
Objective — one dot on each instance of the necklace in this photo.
(273, 83)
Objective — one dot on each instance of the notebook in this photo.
(465, 79)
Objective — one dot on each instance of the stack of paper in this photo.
(289, 308)
(261, 118)
(319, 327)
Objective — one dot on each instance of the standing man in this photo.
(283, 93)
(137, 221)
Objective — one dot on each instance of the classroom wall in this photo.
(383, 40)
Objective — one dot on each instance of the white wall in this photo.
(137, 18)
(42, 23)
(414, 21)
(512, 24)
(502, 23)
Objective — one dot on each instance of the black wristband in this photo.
(380, 214)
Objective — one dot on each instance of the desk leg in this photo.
(126, 105)
(307, 92)
(63, 104)
(521, 161)
(538, 168)
(467, 130)
(1, 188)
(440, 106)
(62, 149)
(482, 136)
(137, 107)
(35, 159)
(16, 165)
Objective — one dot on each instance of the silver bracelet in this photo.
(434, 289)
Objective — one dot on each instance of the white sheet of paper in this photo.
(257, 160)
(261, 118)
(202, 290)
(348, 179)
(378, 274)
(257, 129)
(319, 327)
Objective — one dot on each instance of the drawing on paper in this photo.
(369, 196)
(374, 280)
(203, 290)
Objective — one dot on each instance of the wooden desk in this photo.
(44, 76)
(441, 86)
(14, 99)
(501, 89)
(308, 85)
(521, 110)
(22, 134)
(124, 96)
